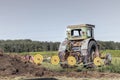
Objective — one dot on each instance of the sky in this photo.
(46, 20)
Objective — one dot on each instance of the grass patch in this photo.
(44, 53)
(114, 53)
(49, 66)
(114, 67)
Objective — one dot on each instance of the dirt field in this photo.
(14, 67)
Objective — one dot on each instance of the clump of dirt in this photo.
(16, 65)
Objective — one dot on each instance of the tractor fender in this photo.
(84, 47)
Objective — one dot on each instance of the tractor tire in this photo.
(92, 48)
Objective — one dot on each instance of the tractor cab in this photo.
(80, 32)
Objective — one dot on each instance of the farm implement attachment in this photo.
(71, 61)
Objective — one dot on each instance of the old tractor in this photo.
(81, 47)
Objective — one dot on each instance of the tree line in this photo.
(111, 45)
(28, 45)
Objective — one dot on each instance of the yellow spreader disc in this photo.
(55, 60)
(98, 61)
(38, 59)
(71, 60)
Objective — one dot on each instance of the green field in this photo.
(114, 67)
(44, 53)
(114, 53)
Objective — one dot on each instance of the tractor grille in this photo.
(76, 49)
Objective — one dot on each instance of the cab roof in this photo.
(80, 26)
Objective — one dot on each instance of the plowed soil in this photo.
(15, 65)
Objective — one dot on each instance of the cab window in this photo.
(76, 33)
(89, 33)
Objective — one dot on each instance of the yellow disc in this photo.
(38, 59)
(98, 61)
(71, 60)
(55, 60)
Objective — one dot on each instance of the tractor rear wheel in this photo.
(92, 53)
(92, 50)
